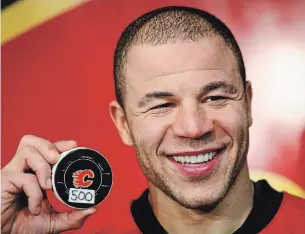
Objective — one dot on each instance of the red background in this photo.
(57, 83)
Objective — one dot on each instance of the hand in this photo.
(24, 206)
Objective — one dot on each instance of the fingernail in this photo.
(89, 211)
(72, 142)
(49, 183)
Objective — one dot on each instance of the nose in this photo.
(192, 122)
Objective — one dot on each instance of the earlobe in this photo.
(249, 101)
(119, 119)
(250, 121)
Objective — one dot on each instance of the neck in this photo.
(227, 217)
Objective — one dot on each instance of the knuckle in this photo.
(51, 147)
(52, 152)
(25, 151)
(26, 138)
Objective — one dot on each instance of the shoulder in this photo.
(290, 216)
(293, 205)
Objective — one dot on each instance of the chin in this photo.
(205, 204)
(206, 197)
(201, 199)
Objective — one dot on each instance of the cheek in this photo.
(149, 132)
(232, 120)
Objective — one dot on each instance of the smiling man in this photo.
(185, 105)
(183, 102)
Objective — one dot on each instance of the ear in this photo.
(249, 101)
(119, 119)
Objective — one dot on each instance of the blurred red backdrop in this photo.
(57, 83)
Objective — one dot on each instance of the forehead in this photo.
(146, 63)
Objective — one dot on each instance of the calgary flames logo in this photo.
(83, 178)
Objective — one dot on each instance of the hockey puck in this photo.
(82, 178)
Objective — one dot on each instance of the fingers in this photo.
(48, 151)
(37, 154)
(45, 147)
(17, 182)
(70, 220)
(65, 145)
(30, 158)
(39, 165)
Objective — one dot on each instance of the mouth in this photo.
(197, 163)
(195, 159)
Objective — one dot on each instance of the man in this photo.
(184, 103)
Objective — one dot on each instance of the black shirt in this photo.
(266, 204)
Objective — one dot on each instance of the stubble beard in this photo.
(160, 181)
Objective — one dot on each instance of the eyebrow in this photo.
(153, 95)
(228, 88)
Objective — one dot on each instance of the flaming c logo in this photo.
(83, 178)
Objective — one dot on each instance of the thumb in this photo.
(70, 220)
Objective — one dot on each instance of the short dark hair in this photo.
(168, 25)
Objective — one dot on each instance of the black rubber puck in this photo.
(82, 178)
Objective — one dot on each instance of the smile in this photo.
(195, 159)
(196, 163)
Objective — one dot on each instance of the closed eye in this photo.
(165, 105)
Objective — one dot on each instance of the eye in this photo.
(163, 106)
(215, 98)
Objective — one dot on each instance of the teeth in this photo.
(187, 159)
(201, 158)
(183, 160)
(193, 159)
(206, 157)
